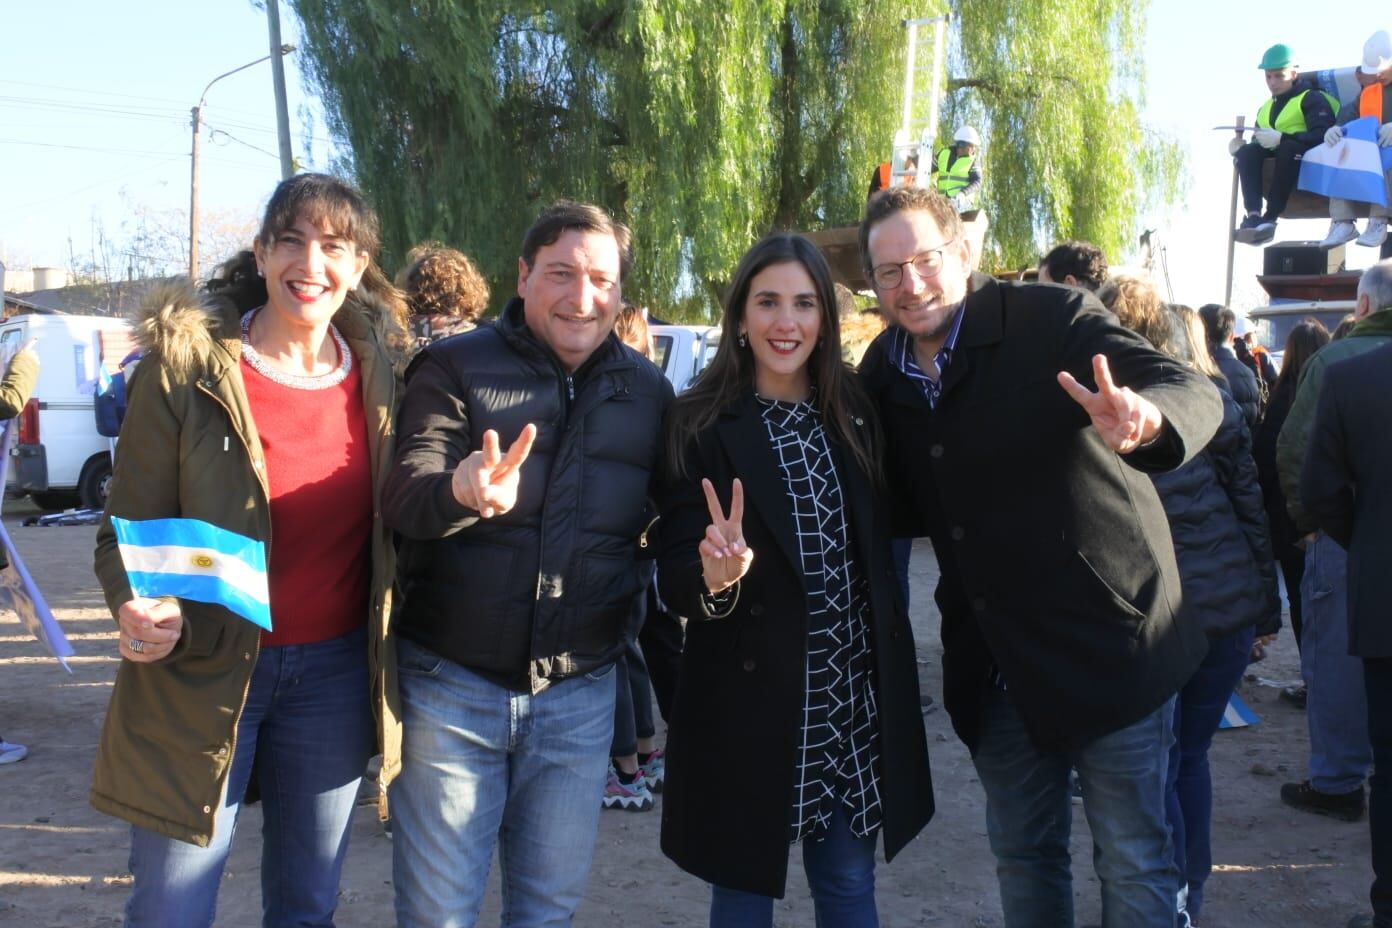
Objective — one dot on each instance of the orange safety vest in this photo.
(1370, 101)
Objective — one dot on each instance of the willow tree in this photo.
(1057, 88)
(700, 124)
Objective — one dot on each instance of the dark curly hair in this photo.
(442, 281)
(1084, 260)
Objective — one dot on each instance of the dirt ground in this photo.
(63, 864)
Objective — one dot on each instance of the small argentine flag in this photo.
(1237, 714)
(196, 560)
(1350, 170)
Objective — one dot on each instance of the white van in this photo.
(57, 456)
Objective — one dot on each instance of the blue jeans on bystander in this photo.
(1029, 816)
(307, 729)
(485, 765)
(1199, 709)
(1336, 707)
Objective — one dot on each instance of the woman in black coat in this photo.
(1304, 340)
(796, 717)
(1226, 570)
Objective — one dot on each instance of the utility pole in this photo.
(197, 123)
(287, 160)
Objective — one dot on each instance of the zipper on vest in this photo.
(570, 388)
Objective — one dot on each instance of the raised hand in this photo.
(725, 557)
(1124, 419)
(150, 628)
(486, 481)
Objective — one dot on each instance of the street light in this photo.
(193, 176)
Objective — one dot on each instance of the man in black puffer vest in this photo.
(1220, 324)
(516, 578)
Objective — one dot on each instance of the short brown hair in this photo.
(442, 281)
(1084, 260)
(567, 215)
(901, 199)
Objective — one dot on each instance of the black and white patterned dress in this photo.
(839, 751)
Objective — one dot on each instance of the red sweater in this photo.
(320, 473)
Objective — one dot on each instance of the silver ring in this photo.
(136, 645)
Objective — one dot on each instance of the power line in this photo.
(108, 93)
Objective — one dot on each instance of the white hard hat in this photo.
(967, 134)
(1377, 53)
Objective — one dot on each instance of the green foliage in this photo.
(704, 125)
(1056, 87)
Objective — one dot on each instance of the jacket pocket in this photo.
(1101, 590)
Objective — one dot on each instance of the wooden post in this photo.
(1232, 221)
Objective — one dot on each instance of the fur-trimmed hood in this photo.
(182, 326)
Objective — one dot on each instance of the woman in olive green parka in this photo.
(252, 417)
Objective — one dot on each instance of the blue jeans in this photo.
(1029, 816)
(484, 764)
(307, 729)
(1189, 788)
(841, 873)
(1336, 706)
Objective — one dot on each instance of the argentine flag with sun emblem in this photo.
(192, 559)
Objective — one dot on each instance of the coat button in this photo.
(756, 609)
(935, 452)
(979, 604)
(957, 533)
(207, 809)
(749, 664)
(222, 751)
(894, 633)
(246, 656)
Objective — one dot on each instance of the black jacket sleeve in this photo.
(1231, 453)
(433, 436)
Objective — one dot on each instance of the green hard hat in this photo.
(1277, 56)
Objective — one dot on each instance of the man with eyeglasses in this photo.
(1022, 422)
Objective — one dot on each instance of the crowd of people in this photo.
(481, 534)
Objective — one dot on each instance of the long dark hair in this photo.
(1301, 344)
(319, 199)
(730, 375)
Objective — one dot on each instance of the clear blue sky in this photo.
(95, 99)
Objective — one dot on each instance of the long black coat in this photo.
(1054, 551)
(1346, 485)
(736, 720)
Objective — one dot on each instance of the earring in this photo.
(743, 340)
(260, 272)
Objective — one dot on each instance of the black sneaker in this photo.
(1347, 807)
(1264, 232)
(1295, 695)
(1247, 228)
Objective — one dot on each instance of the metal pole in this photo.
(939, 34)
(1232, 221)
(287, 160)
(193, 195)
(193, 170)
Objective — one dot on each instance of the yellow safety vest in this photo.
(1291, 120)
(953, 176)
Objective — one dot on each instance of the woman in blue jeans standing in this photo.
(1227, 569)
(796, 717)
(262, 407)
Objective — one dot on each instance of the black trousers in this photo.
(1377, 681)
(1251, 157)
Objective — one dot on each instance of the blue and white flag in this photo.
(196, 560)
(1352, 169)
(1237, 714)
(18, 591)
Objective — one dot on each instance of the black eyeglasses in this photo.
(926, 264)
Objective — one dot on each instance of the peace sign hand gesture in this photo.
(725, 557)
(1125, 420)
(486, 481)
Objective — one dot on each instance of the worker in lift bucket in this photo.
(1289, 124)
